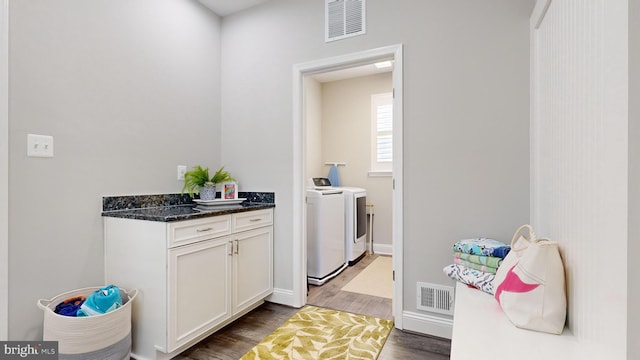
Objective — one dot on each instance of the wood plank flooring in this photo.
(239, 337)
(233, 341)
(331, 296)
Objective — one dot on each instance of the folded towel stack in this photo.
(483, 247)
(475, 262)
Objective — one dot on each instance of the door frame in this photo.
(4, 170)
(392, 52)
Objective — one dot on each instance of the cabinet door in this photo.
(252, 267)
(199, 285)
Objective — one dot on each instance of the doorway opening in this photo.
(301, 149)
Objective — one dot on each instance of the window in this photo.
(381, 134)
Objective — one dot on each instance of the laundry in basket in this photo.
(101, 301)
(100, 337)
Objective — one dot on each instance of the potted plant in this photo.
(197, 181)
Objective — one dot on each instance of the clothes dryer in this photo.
(355, 211)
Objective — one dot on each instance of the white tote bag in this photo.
(530, 283)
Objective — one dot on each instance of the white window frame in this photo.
(379, 168)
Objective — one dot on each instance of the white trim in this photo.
(383, 249)
(281, 296)
(299, 154)
(397, 223)
(428, 324)
(299, 248)
(4, 170)
(380, 173)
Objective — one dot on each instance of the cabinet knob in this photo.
(254, 220)
(205, 229)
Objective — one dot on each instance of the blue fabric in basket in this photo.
(101, 301)
(70, 307)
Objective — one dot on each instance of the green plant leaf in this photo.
(194, 179)
(221, 176)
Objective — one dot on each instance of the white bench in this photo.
(482, 331)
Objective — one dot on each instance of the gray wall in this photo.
(129, 90)
(633, 313)
(346, 137)
(466, 115)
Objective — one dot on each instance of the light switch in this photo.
(39, 145)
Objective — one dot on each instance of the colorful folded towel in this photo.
(101, 301)
(482, 246)
(70, 307)
(490, 261)
(476, 278)
(483, 268)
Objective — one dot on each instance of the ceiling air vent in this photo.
(344, 18)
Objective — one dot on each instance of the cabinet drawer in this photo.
(251, 219)
(186, 232)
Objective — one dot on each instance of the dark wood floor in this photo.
(236, 339)
(331, 296)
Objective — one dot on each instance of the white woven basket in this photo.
(87, 334)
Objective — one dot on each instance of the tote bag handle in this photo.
(516, 236)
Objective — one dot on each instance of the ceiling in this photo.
(226, 7)
(348, 73)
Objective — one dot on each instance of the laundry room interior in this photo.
(348, 144)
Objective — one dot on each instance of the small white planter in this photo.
(208, 192)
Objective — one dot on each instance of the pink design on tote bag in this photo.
(512, 283)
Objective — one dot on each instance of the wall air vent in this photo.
(435, 298)
(344, 18)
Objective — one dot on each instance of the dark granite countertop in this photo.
(182, 212)
(175, 207)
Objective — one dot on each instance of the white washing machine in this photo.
(325, 232)
(355, 210)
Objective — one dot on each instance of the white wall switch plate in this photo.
(39, 145)
(181, 170)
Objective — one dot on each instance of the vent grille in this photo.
(435, 298)
(344, 18)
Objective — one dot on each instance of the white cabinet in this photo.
(251, 285)
(193, 276)
(199, 279)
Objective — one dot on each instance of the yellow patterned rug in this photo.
(317, 333)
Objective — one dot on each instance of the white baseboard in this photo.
(427, 324)
(383, 249)
(281, 296)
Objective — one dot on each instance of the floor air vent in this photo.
(344, 18)
(435, 298)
